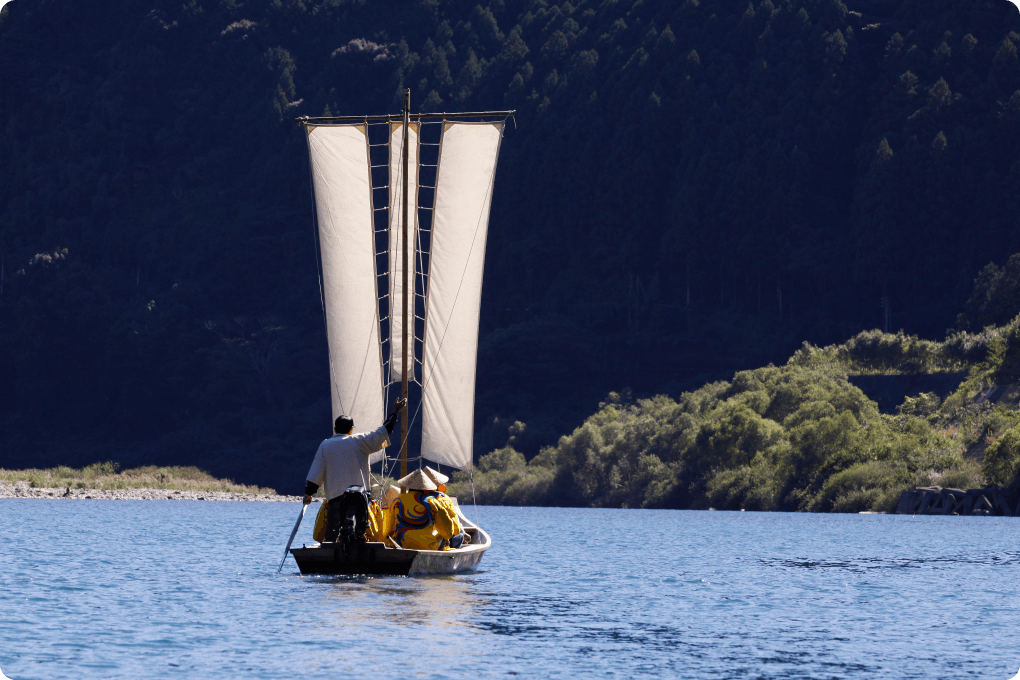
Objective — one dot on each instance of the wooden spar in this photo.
(403, 273)
(326, 120)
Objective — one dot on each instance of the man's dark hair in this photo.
(343, 425)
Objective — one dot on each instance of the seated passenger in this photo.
(319, 532)
(380, 515)
(424, 518)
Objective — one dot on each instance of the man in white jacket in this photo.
(342, 461)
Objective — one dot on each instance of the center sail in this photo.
(396, 260)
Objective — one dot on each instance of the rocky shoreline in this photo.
(23, 490)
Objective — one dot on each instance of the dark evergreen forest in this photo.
(687, 189)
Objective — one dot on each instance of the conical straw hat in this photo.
(417, 481)
(436, 476)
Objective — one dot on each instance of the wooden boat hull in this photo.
(379, 559)
(364, 558)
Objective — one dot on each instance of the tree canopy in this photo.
(687, 189)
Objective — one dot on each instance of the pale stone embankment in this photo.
(23, 490)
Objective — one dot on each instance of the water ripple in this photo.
(188, 589)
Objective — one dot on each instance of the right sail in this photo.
(467, 169)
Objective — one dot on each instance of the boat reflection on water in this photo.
(437, 601)
(426, 623)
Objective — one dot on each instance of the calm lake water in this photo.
(151, 589)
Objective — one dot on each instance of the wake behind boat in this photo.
(402, 249)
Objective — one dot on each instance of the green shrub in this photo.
(966, 476)
(504, 478)
(923, 405)
(968, 348)
(891, 352)
(871, 485)
(1002, 459)
(758, 486)
(1004, 354)
(877, 352)
(100, 469)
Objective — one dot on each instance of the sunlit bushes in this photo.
(996, 348)
(504, 478)
(923, 405)
(796, 437)
(775, 438)
(886, 351)
(877, 352)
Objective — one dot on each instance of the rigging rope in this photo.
(474, 501)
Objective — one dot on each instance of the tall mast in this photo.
(403, 273)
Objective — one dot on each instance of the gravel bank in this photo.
(23, 490)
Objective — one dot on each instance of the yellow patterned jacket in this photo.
(380, 522)
(418, 519)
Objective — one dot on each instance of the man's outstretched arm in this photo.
(391, 421)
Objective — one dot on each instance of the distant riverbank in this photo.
(24, 490)
(105, 481)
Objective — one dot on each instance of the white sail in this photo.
(467, 169)
(343, 203)
(396, 241)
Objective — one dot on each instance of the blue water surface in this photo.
(189, 589)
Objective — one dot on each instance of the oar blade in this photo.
(287, 550)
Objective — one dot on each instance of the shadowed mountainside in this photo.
(688, 188)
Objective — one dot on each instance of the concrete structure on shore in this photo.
(934, 500)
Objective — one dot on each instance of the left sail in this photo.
(343, 203)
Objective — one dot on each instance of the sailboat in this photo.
(402, 246)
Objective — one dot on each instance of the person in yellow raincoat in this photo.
(380, 519)
(380, 516)
(424, 518)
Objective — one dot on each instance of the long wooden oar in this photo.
(286, 551)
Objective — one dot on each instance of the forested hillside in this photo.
(688, 188)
